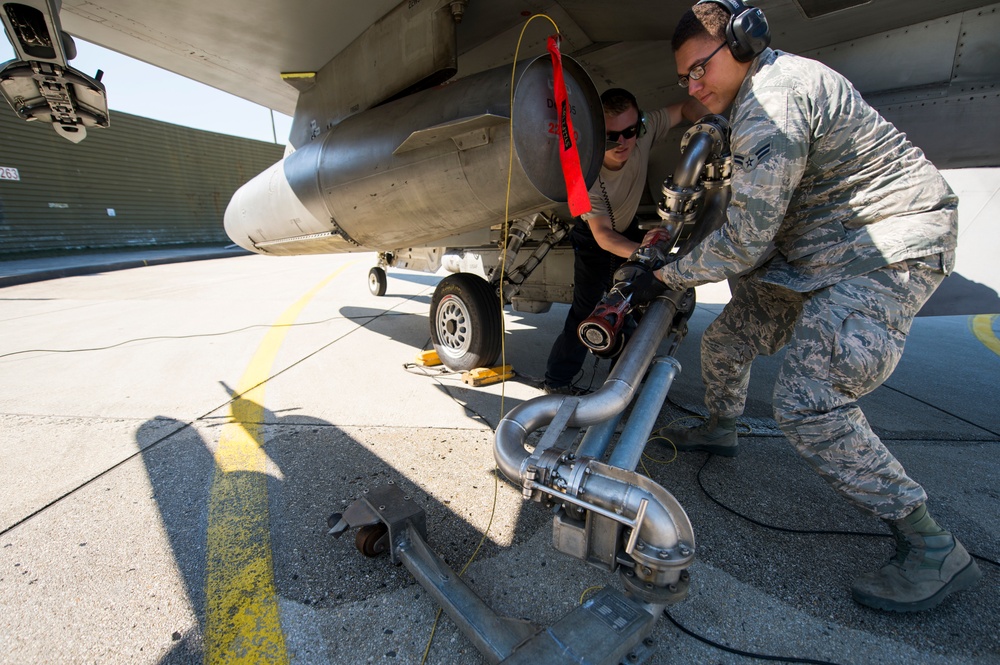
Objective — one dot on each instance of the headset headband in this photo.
(734, 7)
(747, 33)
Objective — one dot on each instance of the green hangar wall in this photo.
(139, 183)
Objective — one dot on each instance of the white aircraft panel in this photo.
(909, 57)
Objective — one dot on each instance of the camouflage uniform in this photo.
(863, 230)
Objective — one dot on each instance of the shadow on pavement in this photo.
(315, 469)
(960, 296)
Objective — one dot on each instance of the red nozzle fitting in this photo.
(656, 236)
(600, 330)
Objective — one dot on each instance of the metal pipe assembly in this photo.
(609, 401)
(633, 439)
(661, 543)
(606, 513)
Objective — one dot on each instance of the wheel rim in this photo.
(368, 537)
(372, 281)
(453, 329)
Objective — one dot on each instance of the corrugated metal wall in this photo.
(139, 183)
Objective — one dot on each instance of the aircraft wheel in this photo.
(377, 281)
(465, 322)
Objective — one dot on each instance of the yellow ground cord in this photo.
(982, 328)
(503, 322)
(242, 624)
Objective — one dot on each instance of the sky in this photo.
(141, 89)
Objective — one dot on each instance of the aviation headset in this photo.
(746, 33)
(622, 92)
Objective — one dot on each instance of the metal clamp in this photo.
(634, 524)
(718, 173)
(679, 204)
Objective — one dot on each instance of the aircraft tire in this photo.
(377, 281)
(465, 322)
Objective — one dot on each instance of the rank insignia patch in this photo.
(749, 162)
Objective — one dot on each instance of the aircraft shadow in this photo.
(412, 330)
(526, 348)
(959, 296)
(315, 469)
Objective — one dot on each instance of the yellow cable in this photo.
(653, 459)
(503, 327)
(506, 206)
(659, 434)
(585, 592)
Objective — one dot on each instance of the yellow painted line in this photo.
(242, 624)
(982, 328)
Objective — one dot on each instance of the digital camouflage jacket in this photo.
(837, 189)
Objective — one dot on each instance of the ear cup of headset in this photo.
(747, 32)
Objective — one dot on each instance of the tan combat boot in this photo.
(929, 564)
(716, 436)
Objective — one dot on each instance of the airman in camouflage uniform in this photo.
(839, 230)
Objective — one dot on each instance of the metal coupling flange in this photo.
(718, 173)
(679, 203)
(716, 126)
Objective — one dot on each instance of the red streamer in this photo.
(569, 157)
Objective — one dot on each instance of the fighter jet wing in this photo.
(930, 67)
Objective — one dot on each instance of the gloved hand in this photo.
(628, 271)
(646, 287)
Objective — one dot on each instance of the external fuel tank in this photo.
(423, 168)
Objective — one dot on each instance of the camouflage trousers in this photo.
(841, 342)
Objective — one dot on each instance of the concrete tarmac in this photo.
(174, 437)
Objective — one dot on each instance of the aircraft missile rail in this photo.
(514, 276)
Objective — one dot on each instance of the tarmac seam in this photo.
(202, 418)
(95, 478)
(937, 408)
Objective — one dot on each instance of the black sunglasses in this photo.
(628, 133)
